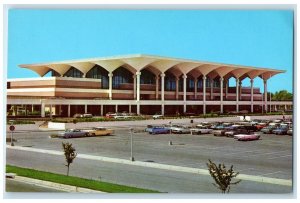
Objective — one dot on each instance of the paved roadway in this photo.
(269, 157)
(17, 186)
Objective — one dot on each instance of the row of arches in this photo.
(123, 76)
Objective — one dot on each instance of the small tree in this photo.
(70, 154)
(222, 176)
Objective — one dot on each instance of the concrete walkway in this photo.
(260, 179)
(56, 186)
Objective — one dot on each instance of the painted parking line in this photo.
(260, 179)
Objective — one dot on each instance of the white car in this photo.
(181, 130)
(156, 116)
(201, 130)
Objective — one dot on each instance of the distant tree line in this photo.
(282, 95)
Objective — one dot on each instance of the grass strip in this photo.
(75, 181)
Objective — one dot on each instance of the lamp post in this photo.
(170, 142)
(131, 153)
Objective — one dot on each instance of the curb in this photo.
(57, 186)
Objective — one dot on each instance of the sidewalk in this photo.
(56, 186)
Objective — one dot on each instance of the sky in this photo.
(260, 38)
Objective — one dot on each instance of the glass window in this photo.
(147, 77)
(99, 73)
(73, 72)
(120, 76)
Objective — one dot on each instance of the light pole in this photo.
(12, 128)
(170, 142)
(131, 153)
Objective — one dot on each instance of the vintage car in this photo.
(159, 130)
(121, 116)
(157, 116)
(290, 131)
(281, 130)
(235, 130)
(110, 115)
(201, 130)
(72, 133)
(269, 129)
(99, 131)
(247, 137)
(181, 130)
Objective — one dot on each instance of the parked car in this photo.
(121, 116)
(290, 131)
(280, 131)
(201, 130)
(181, 130)
(99, 131)
(235, 130)
(156, 116)
(159, 130)
(110, 115)
(72, 133)
(269, 129)
(247, 137)
(87, 115)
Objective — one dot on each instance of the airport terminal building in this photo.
(141, 84)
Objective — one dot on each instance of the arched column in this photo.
(184, 92)
(110, 78)
(221, 94)
(237, 94)
(226, 88)
(204, 94)
(138, 85)
(265, 95)
(162, 86)
(251, 83)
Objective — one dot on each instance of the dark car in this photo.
(280, 131)
(269, 129)
(159, 130)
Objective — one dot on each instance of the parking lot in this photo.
(270, 156)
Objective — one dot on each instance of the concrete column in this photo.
(110, 78)
(69, 110)
(138, 86)
(251, 83)
(134, 87)
(211, 88)
(84, 75)
(156, 87)
(162, 86)
(129, 110)
(85, 108)
(32, 108)
(162, 109)
(184, 92)
(221, 94)
(265, 95)
(116, 108)
(195, 87)
(59, 110)
(237, 94)
(101, 110)
(204, 94)
(177, 88)
(42, 110)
